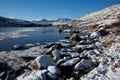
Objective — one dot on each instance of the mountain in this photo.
(107, 16)
(12, 22)
(19, 22)
(54, 22)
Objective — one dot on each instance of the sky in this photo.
(51, 9)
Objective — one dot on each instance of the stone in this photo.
(75, 37)
(54, 70)
(41, 62)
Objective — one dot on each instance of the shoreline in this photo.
(71, 54)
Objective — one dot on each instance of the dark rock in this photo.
(66, 71)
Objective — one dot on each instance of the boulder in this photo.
(85, 65)
(56, 54)
(41, 62)
(75, 37)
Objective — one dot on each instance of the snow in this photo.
(54, 69)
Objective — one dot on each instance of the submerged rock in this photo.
(41, 62)
(17, 47)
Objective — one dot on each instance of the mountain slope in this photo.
(105, 16)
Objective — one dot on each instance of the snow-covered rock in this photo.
(35, 75)
(41, 62)
(85, 65)
(71, 62)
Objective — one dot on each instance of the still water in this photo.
(10, 36)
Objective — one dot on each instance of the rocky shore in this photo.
(82, 56)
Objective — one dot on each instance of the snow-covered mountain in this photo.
(105, 16)
(57, 21)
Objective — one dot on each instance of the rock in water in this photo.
(17, 47)
(41, 62)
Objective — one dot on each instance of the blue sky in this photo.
(51, 9)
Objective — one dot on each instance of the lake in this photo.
(10, 36)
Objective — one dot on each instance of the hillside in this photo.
(107, 16)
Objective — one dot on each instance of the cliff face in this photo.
(107, 16)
